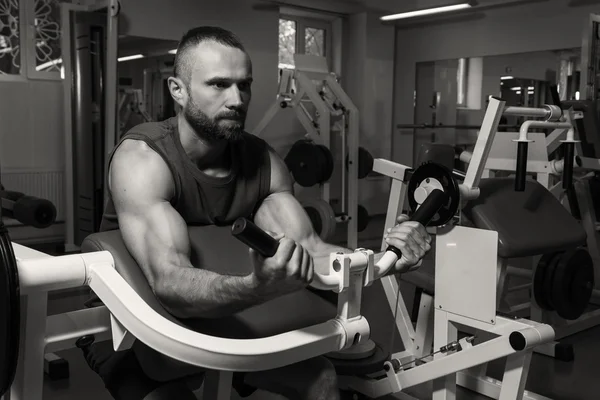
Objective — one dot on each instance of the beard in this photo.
(227, 126)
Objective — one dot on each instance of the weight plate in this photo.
(573, 283)
(363, 218)
(365, 162)
(329, 163)
(10, 309)
(324, 218)
(538, 281)
(304, 163)
(422, 177)
(549, 279)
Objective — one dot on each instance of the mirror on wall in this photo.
(451, 95)
(143, 69)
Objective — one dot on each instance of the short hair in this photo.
(183, 63)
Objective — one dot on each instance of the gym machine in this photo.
(130, 311)
(567, 317)
(131, 101)
(324, 110)
(89, 33)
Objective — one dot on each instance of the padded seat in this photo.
(528, 223)
(213, 248)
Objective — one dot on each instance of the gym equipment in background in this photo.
(131, 312)
(89, 35)
(325, 111)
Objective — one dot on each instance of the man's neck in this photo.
(204, 153)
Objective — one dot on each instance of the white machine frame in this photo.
(296, 87)
(548, 172)
(125, 316)
(110, 101)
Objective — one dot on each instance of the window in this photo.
(302, 36)
(30, 39)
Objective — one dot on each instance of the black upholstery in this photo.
(213, 248)
(528, 223)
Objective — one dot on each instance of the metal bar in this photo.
(441, 126)
(527, 112)
(485, 139)
(62, 330)
(111, 117)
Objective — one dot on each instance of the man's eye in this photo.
(220, 85)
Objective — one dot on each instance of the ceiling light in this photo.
(133, 57)
(427, 11)
(174, 51)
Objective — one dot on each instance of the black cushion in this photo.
(213, 248)
(528, 223)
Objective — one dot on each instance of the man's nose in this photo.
(235, 97)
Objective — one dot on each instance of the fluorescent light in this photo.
(174, 51)
(48, 64)
(427, 11)
(577, 95)
(133, 57)
(505, 78)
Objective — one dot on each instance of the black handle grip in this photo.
(568, 165)
(521, 172)
(425, 213)
(29, 210)
(250, 234)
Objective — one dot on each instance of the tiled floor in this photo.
(557, 380)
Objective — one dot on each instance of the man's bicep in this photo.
(153, 231)
(157, 238)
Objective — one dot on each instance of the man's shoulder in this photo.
(152, 129)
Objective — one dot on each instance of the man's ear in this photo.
(178, 90)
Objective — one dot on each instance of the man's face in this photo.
(219, 91)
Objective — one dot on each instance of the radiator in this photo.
(45, 184)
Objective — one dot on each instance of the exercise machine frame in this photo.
(295, 89)
(125, 316)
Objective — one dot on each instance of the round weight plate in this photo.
(362, 218)
(549, 279)
(324, 213)
(365, 162)
(538, 281)
(10, 309)
(361, 367)
(329, 163)
(304, 163)
(315, 218)
(443, 175)
(573, 283)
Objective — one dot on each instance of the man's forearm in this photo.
(198, 293)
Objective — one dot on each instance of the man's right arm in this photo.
(157, 237)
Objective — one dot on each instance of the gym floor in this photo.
(548, 377)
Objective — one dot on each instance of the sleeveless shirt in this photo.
(199, 198)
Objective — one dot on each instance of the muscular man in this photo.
(202, 168)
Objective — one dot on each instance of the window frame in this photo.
(27, 50)
(300, 40)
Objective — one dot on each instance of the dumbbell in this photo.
(29, 210)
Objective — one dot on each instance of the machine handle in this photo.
(521, 171)
(254, 237)
(568, 165)
(425, 213)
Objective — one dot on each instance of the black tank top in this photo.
(199, 198)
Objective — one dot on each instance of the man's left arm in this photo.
(281, 212)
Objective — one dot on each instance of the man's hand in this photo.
(290, 269)
(411, 238)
